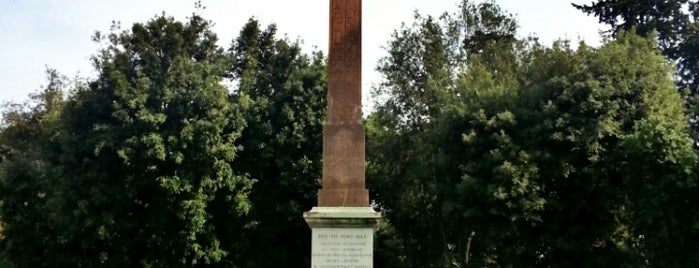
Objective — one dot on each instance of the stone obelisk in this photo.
(343, 222)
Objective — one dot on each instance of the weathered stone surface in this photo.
(343, 133)
(343, 197)
(343, 156)
(345, 62)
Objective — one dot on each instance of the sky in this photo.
(35, 34)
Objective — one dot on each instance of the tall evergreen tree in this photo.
(282, 141)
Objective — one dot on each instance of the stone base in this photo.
(342, 236)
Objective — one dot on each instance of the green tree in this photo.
(153, 162)
(282, 142)
(677, 26)
(28, 142)
(139, 161)
(663, 187)
(646, 16)
(540, 158)
(674, 21)
(153, 142)
(411, 171)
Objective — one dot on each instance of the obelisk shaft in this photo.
(343, 133)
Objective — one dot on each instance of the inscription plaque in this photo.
(342, 248)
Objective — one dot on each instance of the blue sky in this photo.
(56, 33)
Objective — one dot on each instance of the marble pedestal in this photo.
(343, 237)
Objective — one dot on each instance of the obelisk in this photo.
(343, 133)
(343, 222)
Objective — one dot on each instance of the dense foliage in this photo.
(676, 25)
(484, 150)
(132, 161)
(153, 162)
(282, 143)
(519, 155)
(675, 22)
